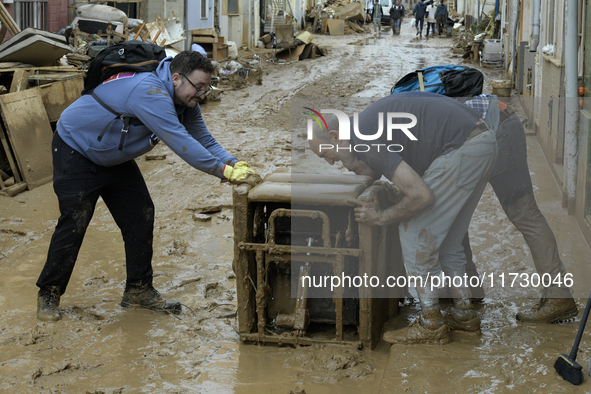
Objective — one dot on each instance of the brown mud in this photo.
(99, 347)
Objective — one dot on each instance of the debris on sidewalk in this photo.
(352, 15)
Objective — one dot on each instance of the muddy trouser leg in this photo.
(512, 184)
(492, 120)
(431, 240)
(77, 188)
(132, 208)
(440, 26)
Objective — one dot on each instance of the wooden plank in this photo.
(3, 30)
(204, 40)
(20, 81)
(40, 69)
(58, 96)
(55, 76)
(7, 20)
(204, 32)
(16, 189)
(11, 161)
(30, 135)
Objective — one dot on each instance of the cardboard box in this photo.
(336, 27)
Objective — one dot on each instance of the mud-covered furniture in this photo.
(294, 226)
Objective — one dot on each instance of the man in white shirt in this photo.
(431, 8)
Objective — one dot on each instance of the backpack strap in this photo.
(126, 121)
(421, 81)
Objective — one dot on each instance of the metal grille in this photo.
(31, 13)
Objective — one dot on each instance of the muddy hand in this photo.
(255, 178)
(394, 194)
(367, 212)
(236, 175)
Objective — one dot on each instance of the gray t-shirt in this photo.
(443, 124)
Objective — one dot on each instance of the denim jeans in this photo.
(431, 240)
(420, 23)
(430, 26)
(396, 25)
(78, 183)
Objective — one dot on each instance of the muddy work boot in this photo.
(148, 297)
(48, 301)
(556, 305)
(463, 318)
(423, 330)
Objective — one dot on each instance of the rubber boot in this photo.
(48, 301)
(556, 305)
(463, 317)
(428, 328)
(147, 296)
(476, 292)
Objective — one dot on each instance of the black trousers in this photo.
(78, 183)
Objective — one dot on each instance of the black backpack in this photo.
(136, 56)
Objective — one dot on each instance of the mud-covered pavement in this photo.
(98, 347)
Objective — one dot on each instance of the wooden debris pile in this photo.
(336, 17)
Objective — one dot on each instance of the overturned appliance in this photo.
(295, 237)
(492, 54)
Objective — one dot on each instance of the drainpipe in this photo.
(515, 16)
(533, 47)
(571, 62)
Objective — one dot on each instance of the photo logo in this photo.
(345, 128)
(345, 124)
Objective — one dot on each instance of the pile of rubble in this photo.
(470, 42)
(98, 26)
(337, 17)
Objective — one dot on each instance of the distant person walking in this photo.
(419, 13)
(396, 16)
(377, 18)
(431, 9)
(369, 11)
(441, 17)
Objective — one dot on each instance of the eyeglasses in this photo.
(199, 91)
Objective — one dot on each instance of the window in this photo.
(550, 12)
(233, 7)
(204, 9)
(31, 13)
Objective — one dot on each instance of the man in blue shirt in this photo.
(442, 172)
(93, 156)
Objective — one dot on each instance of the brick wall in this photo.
(58, 15)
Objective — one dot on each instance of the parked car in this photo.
(386, 5)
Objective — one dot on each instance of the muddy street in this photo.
(99, 347)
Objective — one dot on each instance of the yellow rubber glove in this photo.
(237, 175)
(244, 166)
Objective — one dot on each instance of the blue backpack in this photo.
(452, 81)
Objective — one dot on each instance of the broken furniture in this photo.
(36, 47)
(294, 225)
(215, 46)
(285, 39)
(38, 97)
(29, 133)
